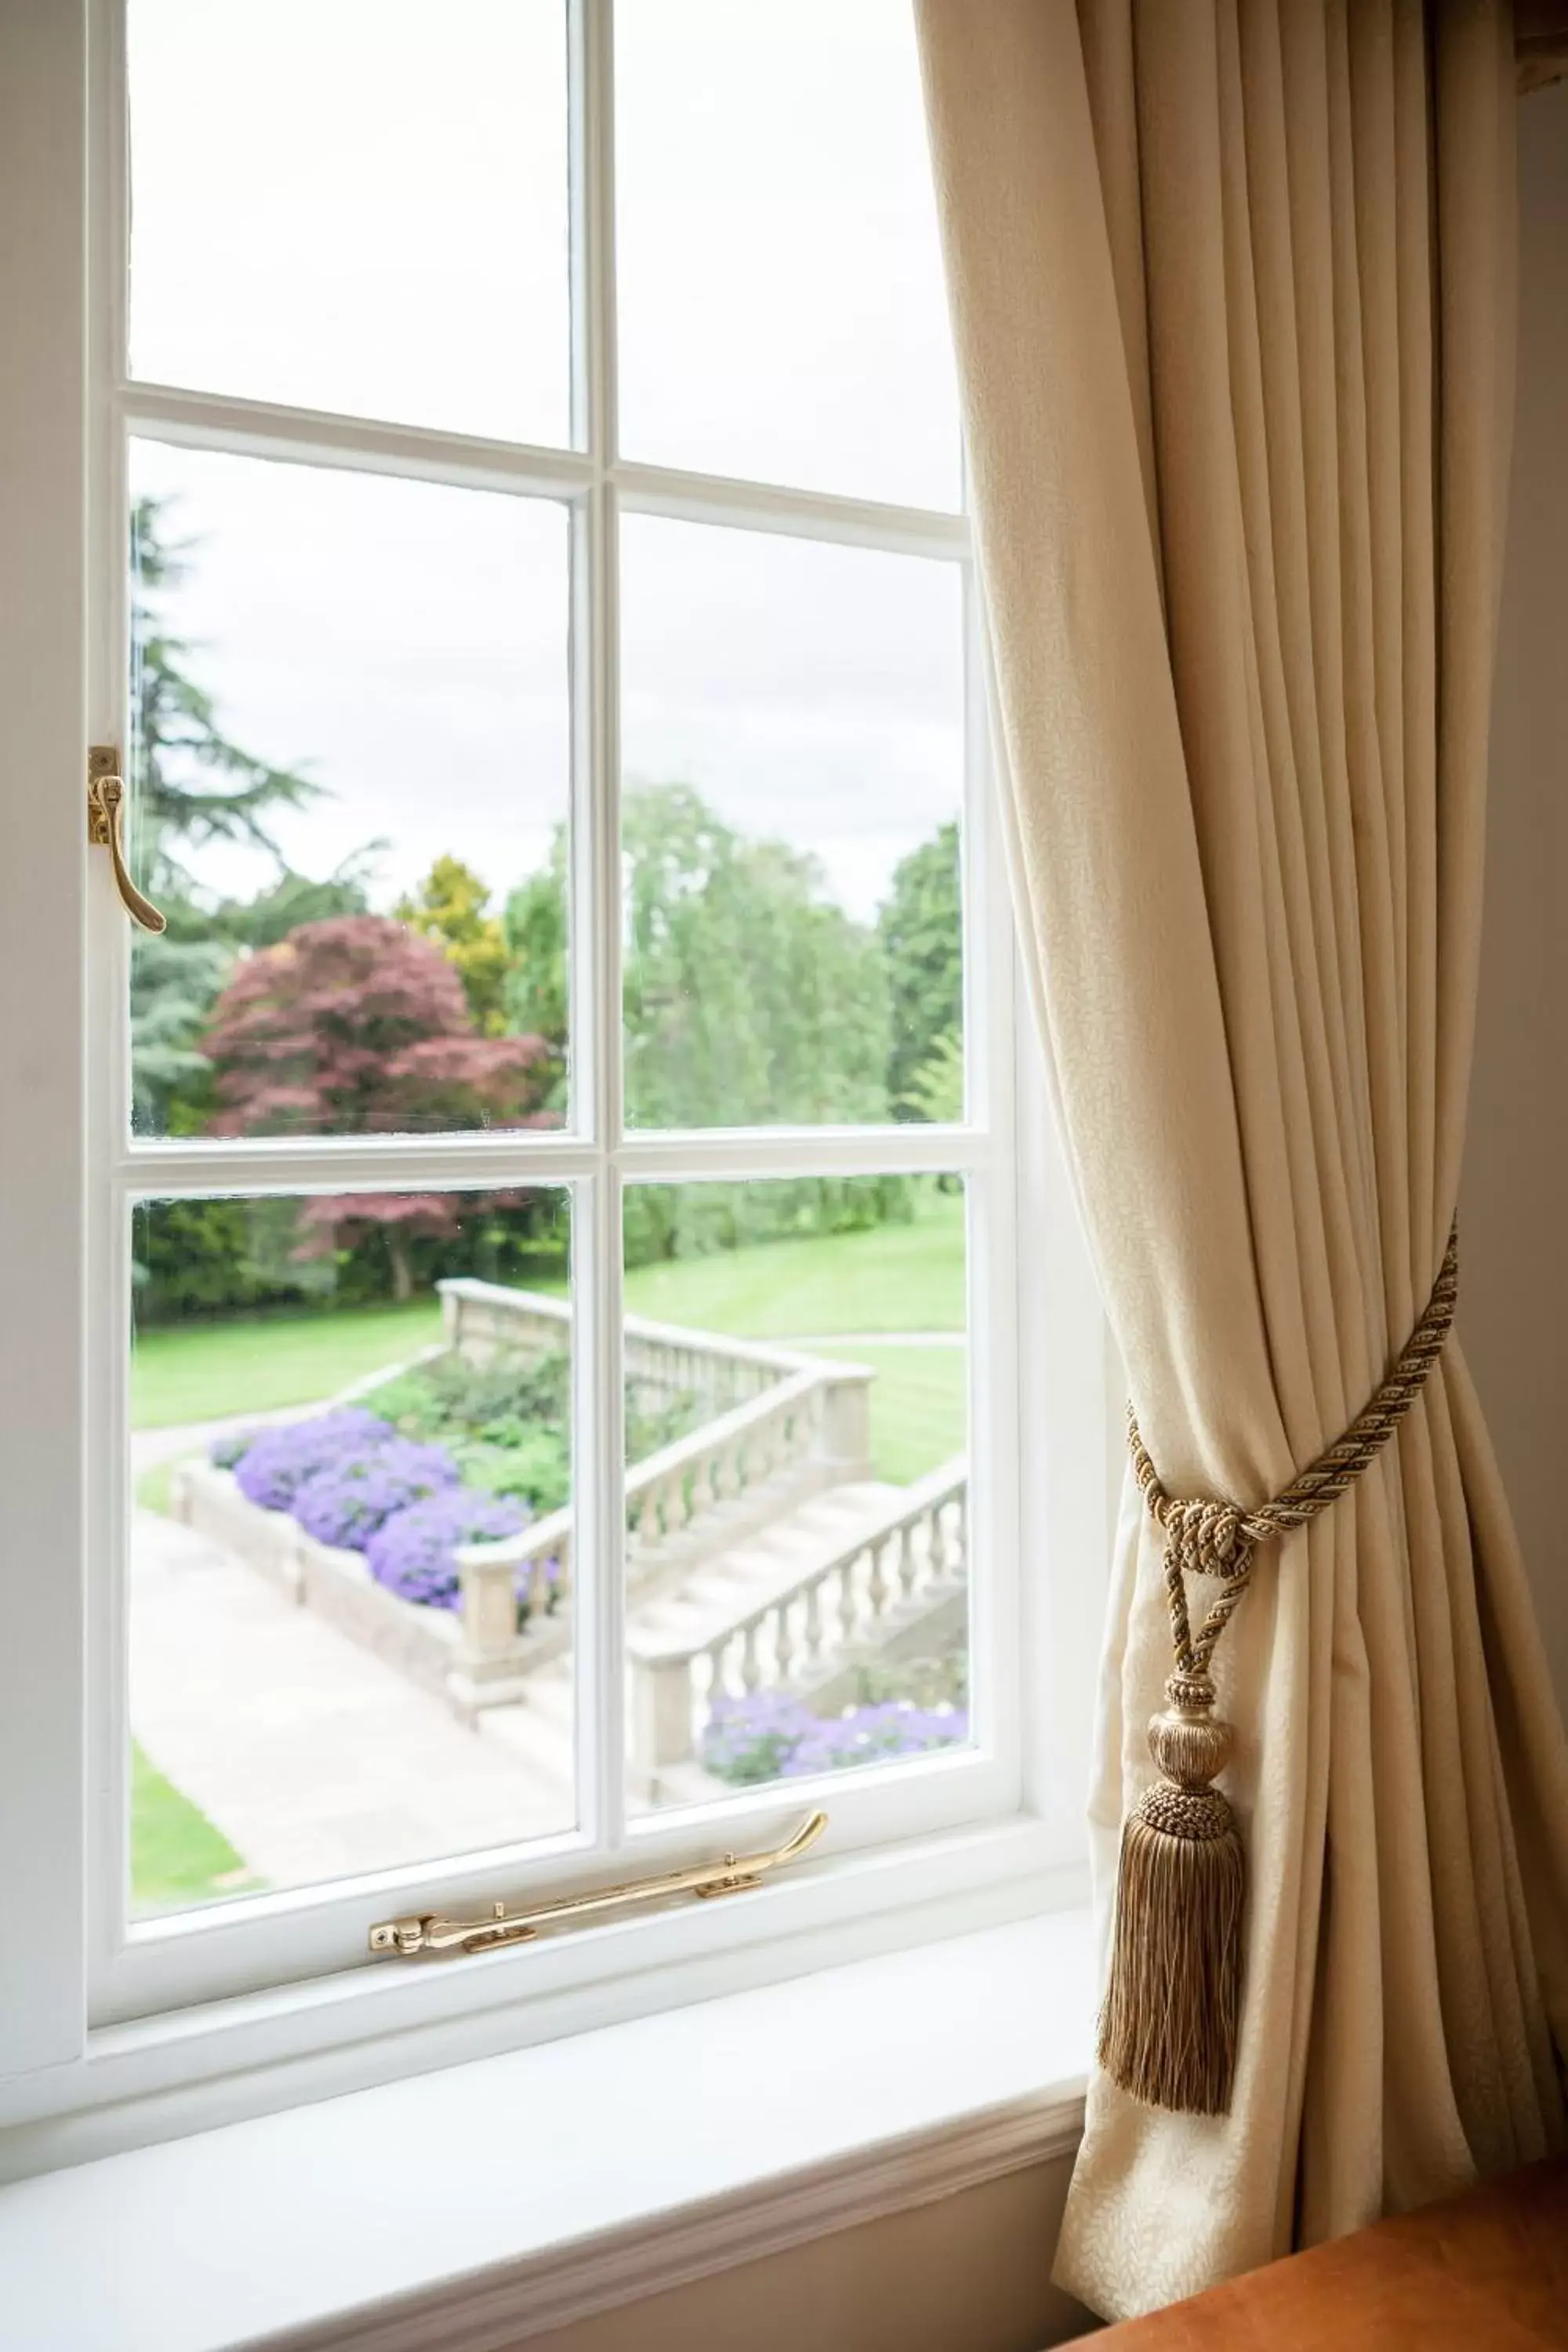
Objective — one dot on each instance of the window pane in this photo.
(350, 753)
(797, 1589)
(330, 1395)
(793, 738)
(792, 326)
(354, 204)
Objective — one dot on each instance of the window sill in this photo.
(517, 2193)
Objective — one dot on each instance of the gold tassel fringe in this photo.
(1169, 2028)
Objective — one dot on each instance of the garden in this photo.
(750, 997)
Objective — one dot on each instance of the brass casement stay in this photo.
(731, 1875)
(105, 818)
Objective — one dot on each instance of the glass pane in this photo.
(793, 740)
(796, 329)
(350, 758)
(332, 1396)
(798, 1597)
(354, 204)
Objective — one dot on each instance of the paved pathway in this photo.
(315, 1759)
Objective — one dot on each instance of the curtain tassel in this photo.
(1173, 2012)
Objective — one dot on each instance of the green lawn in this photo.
(890, 1280)
(205, 1372)
(918, 1407)
(176, 1855)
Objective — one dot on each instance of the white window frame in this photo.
(106, 2021)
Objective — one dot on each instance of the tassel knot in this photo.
(1204, 1539)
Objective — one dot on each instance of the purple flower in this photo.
(866, 1735)
(272, 1469)
(414, 1553)
(347, 1501)
(769, 1735)
(752, 1738)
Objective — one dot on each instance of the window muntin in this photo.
(264, 1937)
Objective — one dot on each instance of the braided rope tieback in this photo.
(1168, 2029)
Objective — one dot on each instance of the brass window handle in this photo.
(105, 818)
(734, 1875)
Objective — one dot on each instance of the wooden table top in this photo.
(1487, 2271)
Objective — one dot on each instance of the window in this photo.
(552, 1325)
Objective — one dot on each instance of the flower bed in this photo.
(351, 1483)
(769, 1735)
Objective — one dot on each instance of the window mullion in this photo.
(599, 1633)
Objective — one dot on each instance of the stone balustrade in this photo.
(905, 1561)
(663, 1362)
(808, 1429)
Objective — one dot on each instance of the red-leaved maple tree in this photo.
(357, 1026)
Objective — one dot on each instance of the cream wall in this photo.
(1514, 1304)
(970, 2273)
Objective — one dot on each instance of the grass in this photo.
(205, 1372)
(152, 1487)
(919, 1408)
(890, 1279)
(176, 1855)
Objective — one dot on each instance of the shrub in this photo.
(451, 1394)
(346, 1501)
(533, 1466)
(229, 1445)
(277, 1464)
(414, 1553)
(769, 1735)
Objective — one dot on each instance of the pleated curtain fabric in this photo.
(1232, 283)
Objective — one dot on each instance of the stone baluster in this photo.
(906, 1561)
(848, 1602)
(783, 1642)
(877, 1581)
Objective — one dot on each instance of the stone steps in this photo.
(701, 1606)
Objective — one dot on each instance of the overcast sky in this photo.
(360, 204)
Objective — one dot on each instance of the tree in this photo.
(449, 911)
(175, 979)
(355, 1027)
(193, 783)
(535, 926)
(293, 900)
(749, 997)
(921, 928)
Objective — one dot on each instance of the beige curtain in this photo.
(1232, 282)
